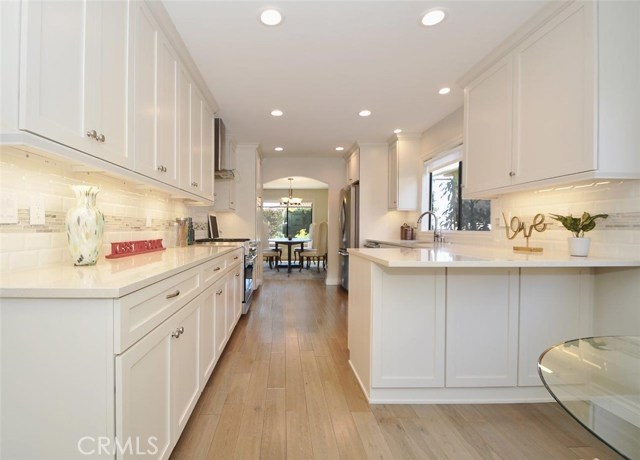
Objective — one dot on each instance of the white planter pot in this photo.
(579, 246)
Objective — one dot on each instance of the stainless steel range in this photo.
(250, 252)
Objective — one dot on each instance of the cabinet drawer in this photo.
(211, 271)
(234, 258)
(138, 313)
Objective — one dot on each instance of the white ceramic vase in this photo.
(579, 246)
(85, 226)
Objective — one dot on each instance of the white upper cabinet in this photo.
(208, 131)
(195, 178)
(74, 86)
(155, 100)
(184, 128)
(353, 167)
(404, 170)
(554, 110)
(560, 105)
(488, 116)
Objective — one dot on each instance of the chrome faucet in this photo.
(437, 235)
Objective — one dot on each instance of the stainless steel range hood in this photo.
(221, 156)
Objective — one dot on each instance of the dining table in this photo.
(597, 381)
(289, 242)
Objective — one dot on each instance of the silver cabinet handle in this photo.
(176, 334)
(217, 269)
(101, 138)
(92, 134)
(236, 257)
(173, 294)
(237, 274)
(194, 184)
(162, 168)
(219, 292)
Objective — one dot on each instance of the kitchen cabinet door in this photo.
(143, 394)
(185, 377)
(393, 176)
(208, 130)
(74, 75)
(207, 350)
(353, 167)
(404, 172)
(195, 184)
(238, 286)
(409, 353)
(220, 315)
(184, 128)
(556, 304)
(155, 94)
(488, 111)
(482, 327)
(555, 103)
(231, 301)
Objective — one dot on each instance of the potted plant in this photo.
(579, 245)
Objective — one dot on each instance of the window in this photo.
(443, 195)
(288, 221)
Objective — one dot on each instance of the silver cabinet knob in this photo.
(237, 274)
(176, 334)
(194, 184)
(219, 292)
(162, 168)
(92, 134)
(101, 138)
(512, 173)
(181, 330)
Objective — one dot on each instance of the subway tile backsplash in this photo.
(131, 212)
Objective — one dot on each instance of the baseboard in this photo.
(332, 281)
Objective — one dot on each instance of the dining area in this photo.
(305, 251)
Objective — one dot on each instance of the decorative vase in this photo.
(85, 226)
(579, 246)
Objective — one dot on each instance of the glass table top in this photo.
(597, 380)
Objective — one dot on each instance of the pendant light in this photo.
(290, 200)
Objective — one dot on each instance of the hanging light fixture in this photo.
(290, 200)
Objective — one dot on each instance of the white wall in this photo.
(331, 171)
(127, 209)
(444, 135)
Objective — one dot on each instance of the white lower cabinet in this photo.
(482, 327)
(409, 353)
(220, 315)
(178, 331)
(556, 304)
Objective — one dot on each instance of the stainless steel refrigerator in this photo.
(349, 231)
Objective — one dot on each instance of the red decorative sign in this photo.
(131, 248)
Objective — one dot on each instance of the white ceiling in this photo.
(330, 59)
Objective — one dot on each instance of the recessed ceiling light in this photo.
(270, 17)
(364, 113)
(339, 149)
(277, 113)
(444, 91)
(278, 149)
(433, 17)
(397, 131)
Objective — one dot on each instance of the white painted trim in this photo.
(362, 387)
(502, 395)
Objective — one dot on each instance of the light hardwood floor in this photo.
(283, 390)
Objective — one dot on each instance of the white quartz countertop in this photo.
(477, 256)
(109, 278)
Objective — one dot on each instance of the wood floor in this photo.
(283, 390)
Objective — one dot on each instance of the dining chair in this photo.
(307, 246)
(270, 254)
(319, 253)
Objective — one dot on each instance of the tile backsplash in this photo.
(618, 235)
(131, 212)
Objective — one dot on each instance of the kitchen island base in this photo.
(470, 332)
